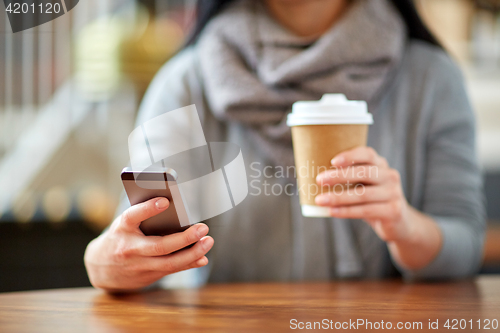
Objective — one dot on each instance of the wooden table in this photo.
(268, 307)
(492, 245)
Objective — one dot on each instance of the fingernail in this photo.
(202, 230)
(334, 210)
(322, 200)
(203, 261)
(162, 203)
(319, 178)
(338, 160)
(206, 243)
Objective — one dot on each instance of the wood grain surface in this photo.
(267, 307)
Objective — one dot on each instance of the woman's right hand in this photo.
(124, 259)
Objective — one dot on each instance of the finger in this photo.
(160, 246)
(203, 261)
(158, 265)
(373, 211)
(132, 218)
(366, 174)
(179, 260)
(361, 194)
(359, 155)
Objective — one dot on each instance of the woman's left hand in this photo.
(379, 198)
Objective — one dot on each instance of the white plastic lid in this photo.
(330, 109)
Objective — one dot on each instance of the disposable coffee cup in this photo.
(321, 130)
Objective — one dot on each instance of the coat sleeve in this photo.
(172, 88)
(452, 189)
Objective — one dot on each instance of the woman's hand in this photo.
(414, 238)
(124, 259)
(379, 198)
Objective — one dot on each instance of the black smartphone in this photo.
(145, 185)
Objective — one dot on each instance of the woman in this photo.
(422, 215)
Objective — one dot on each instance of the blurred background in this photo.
(69, 93)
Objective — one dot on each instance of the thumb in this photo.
(132, 218)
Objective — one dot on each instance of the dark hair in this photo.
(207, 9)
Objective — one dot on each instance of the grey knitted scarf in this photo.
(254, 69)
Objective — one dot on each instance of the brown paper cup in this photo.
(314, 147)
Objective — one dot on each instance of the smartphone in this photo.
(145, 185)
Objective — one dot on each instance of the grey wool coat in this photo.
(424, 127)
